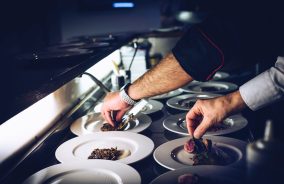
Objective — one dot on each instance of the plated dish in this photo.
(206, 175)
(172, 155)
(96, 171)
(186, 102)
(177, 124)
(94, 122)
(209, 87)
(133, 146)
(167, 95)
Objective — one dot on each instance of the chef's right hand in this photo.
(203, 115)
(207, 113)
(114, 104)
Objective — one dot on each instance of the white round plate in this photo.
(80, 148)
(220, 76)
(167, 95)
(179, 102)
(231, 124)
(220, 174)
(93, 122)
(209, 87)
(171, 155)
(98, 107)
(96, 171)
(152, 107)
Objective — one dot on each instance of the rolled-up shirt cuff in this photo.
(260, 91)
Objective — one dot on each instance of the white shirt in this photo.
(265, 88)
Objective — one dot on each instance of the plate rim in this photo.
(184, 96)
(94, 164)
(199, 168)
(229, 84)
(224, 75)
(157, 106)
(175, 93)
(68, 146)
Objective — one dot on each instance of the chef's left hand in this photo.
(113, 103)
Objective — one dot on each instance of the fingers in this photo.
(202, 128)
(120, 114)
(108, 117)
(191, 126)
(111, 102)
(198, 122)
(192, 118)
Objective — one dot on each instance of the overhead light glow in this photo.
(185, 15)
(123, 5)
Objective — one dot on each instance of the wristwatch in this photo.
(124, 95)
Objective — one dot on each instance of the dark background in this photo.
(31, 25)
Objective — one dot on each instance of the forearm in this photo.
(164, 77)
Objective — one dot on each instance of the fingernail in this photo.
(196, 135)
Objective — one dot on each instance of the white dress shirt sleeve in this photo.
(265, 88)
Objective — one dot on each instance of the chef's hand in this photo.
(207, 113)
(113, 104)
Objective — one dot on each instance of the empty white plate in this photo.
(231, 124)
(95, 171)
(93, 122)
(186, 102)
(209, 87)
(171, 155)
(219, 174)
(80, 148)
(167, 95)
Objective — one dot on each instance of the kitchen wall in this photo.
(86, 17)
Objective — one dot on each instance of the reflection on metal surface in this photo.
(30, 126)
(191, 16)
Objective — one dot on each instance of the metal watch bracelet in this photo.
(126, 98)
